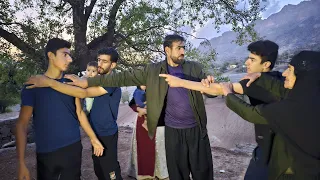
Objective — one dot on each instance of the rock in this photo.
(9, 144)
(5, 131)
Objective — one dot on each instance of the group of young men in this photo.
(56, 113)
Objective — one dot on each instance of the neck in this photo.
(53, 72)
(171, 63)
(266, 70)
(108, 73)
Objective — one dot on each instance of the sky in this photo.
(208, 31)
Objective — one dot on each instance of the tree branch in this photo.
(61, 5)
(13, 23)
(123, 37)
(95, 42)
(176, 31)
(233, 10)
(20, 44)
(88, 9)
(71, 2)
(135, 46)
(145, 30)
(109, 35)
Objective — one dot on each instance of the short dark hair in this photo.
(93, 63)
(169, 39)
(267, 50)
(114, 56)
(55, 44)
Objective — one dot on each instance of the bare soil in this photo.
(231, 139)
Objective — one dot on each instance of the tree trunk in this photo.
(81, 56)
(2, 109)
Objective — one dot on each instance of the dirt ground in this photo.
(234, 163)
(231, 140)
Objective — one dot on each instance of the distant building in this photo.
(232, 66)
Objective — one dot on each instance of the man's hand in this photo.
(145, 124)
(227, 88)
(97, 147)
(172, 80)
(141, 111)
(208, 81)
(252, 77)
(77, 81)
(24, 173)
(38, 81)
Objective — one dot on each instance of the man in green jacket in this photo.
(182, 111)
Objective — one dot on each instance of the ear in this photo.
(51, 55)
(167, 49)
(113, 65)
(267, 64)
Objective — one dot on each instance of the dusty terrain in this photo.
(231, 139)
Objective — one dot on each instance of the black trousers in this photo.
(256, 169)
(106, 167)
(62, 164)
(186, 153)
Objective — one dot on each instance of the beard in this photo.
(103, 71)
(177, 60)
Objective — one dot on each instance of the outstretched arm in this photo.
(43, 81)
(246, 111)
(212, 88)
(135, 77)
(243, 109)
(126, 78)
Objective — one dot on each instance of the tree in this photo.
(13, 74)
(135, 28)
(205, 59)
(225, 66)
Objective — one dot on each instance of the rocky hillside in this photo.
(294, 28)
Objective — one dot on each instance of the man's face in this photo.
(105, 65)
(290, 77)
(254, 65)
(176, 52)
(61, 59)
(91, 71)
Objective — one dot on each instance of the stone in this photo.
(4, 131)
(10, 122)
(4, 141)
(9, 144)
